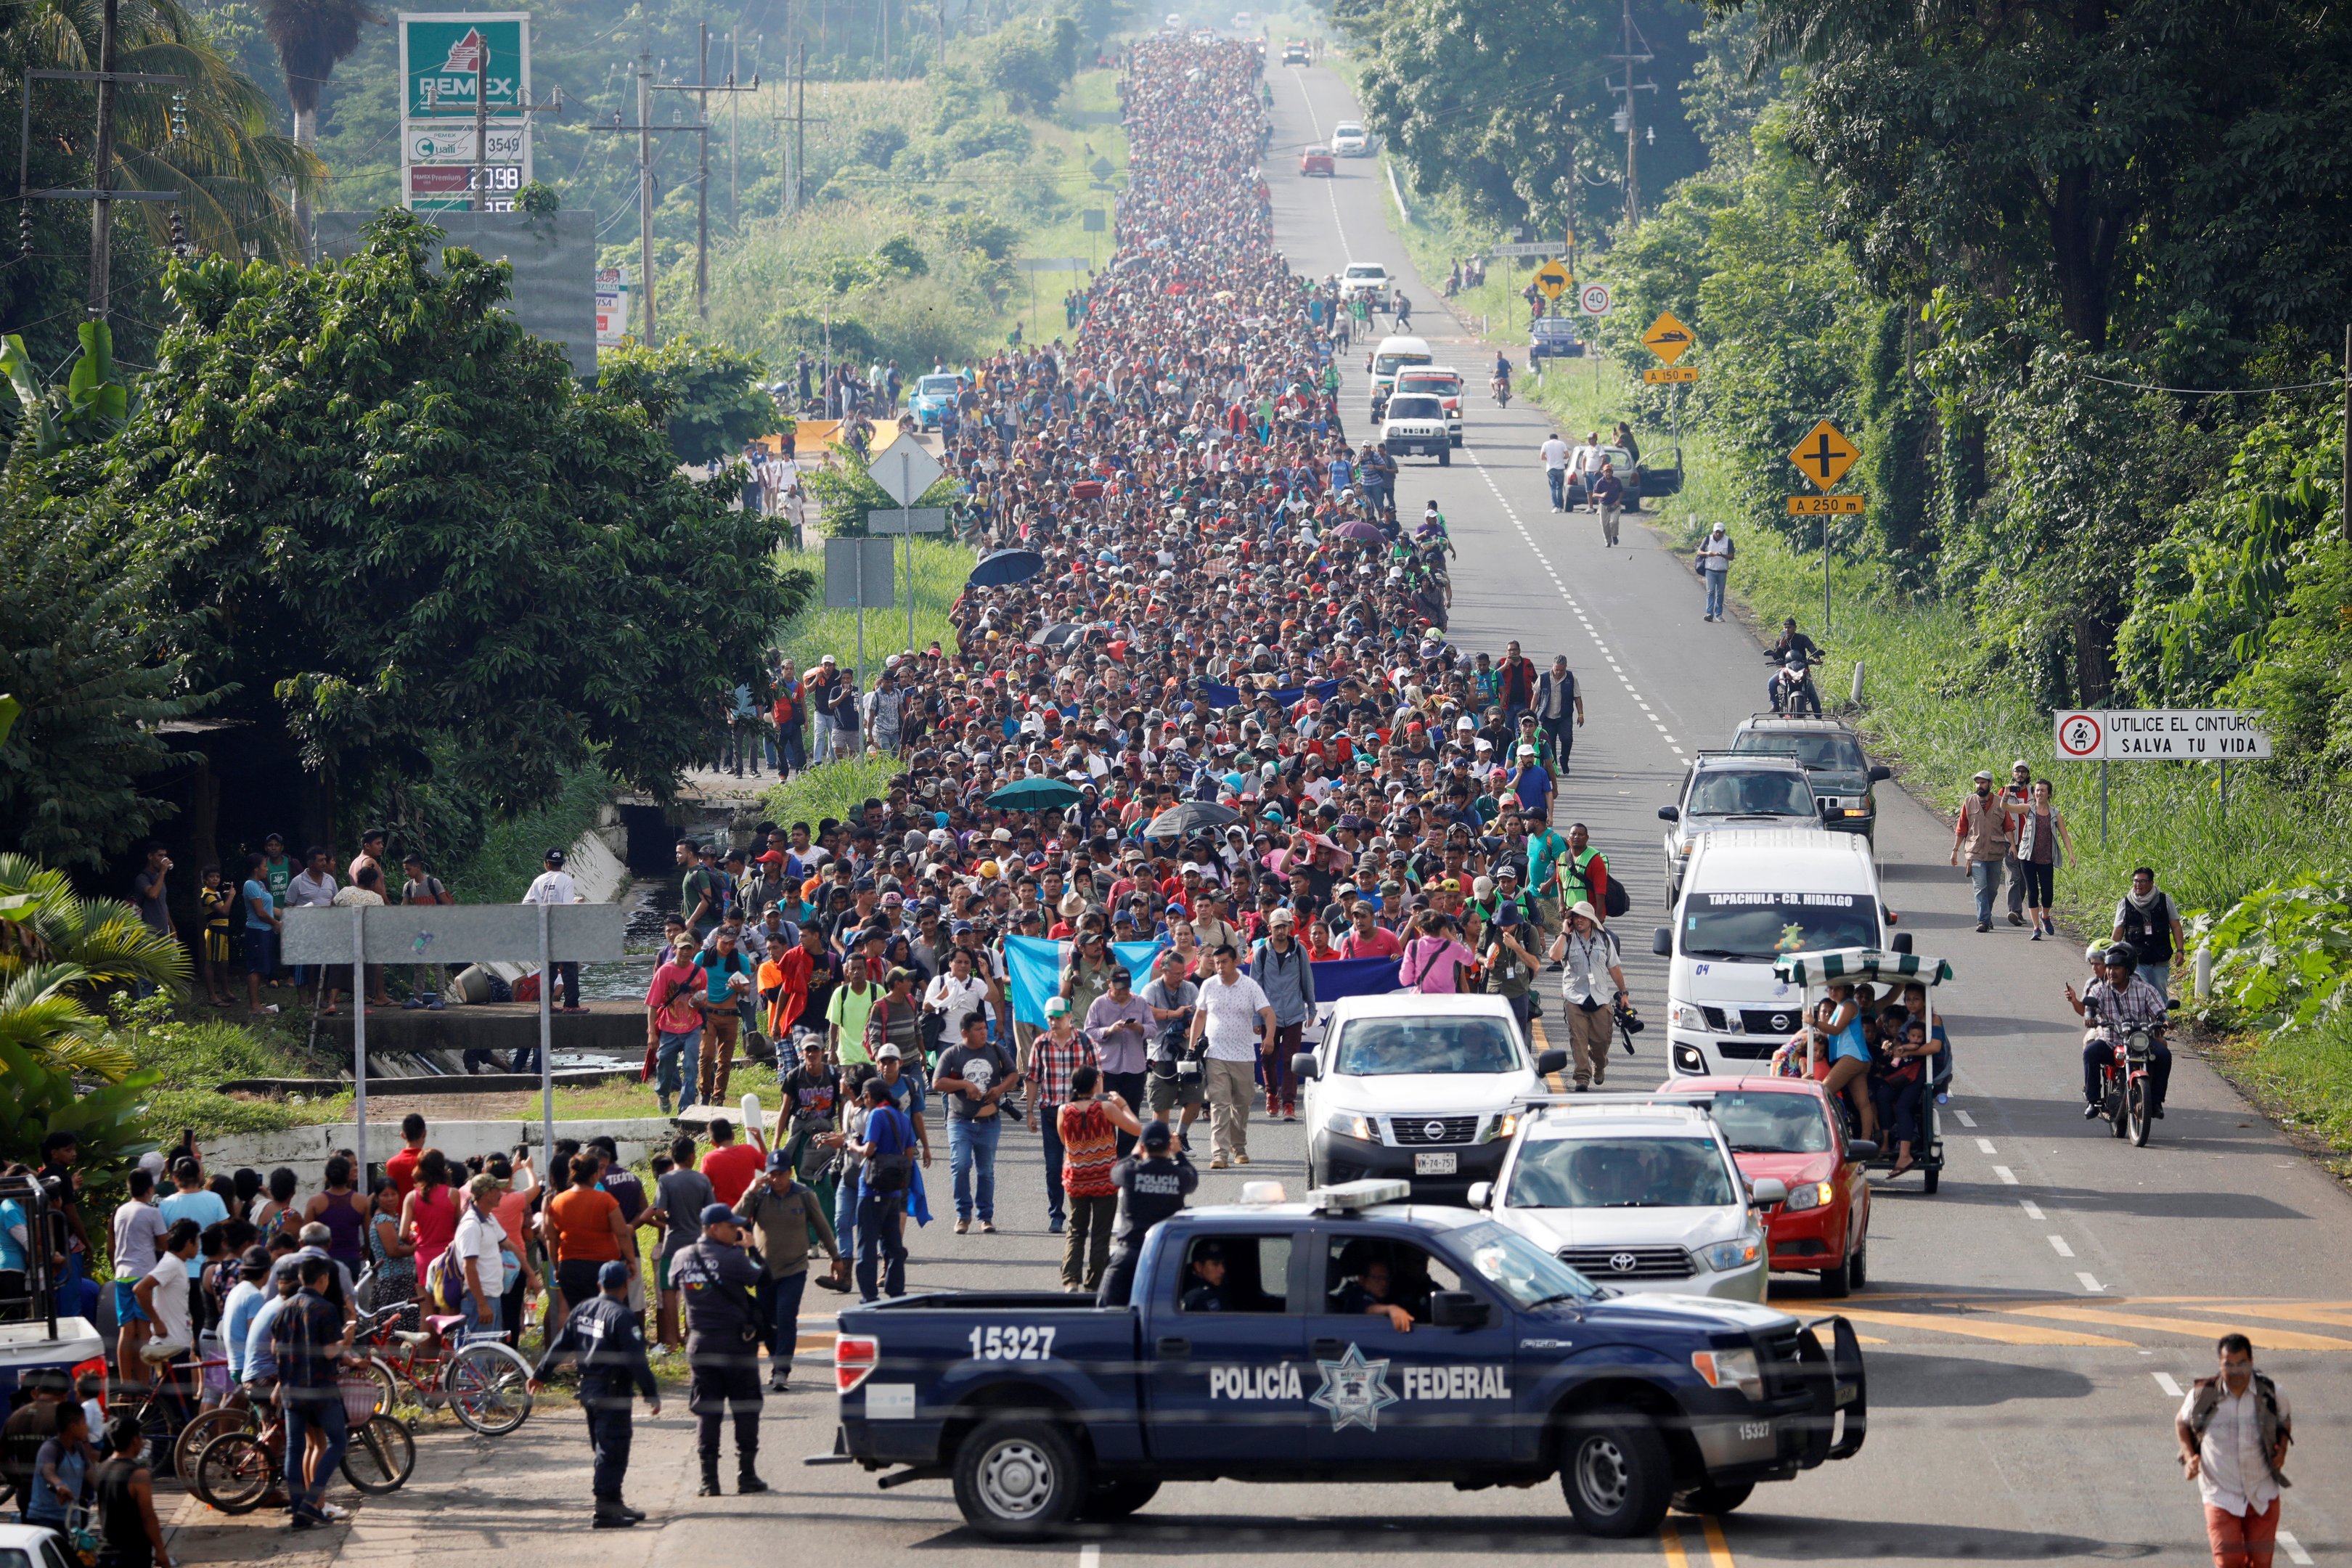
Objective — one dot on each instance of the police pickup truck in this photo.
(1353, 1337)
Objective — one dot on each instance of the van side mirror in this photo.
(1662, 941)
(1551, 1062)
(1901, 942)
(1457, 1309)
(1302, 1065)
(1481, 1195)
(1861, 1149)
(1880, 775)
(1768, 1190)
(1670, 814)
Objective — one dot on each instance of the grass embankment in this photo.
(1070, 148)
(941, 570)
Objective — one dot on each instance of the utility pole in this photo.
(481, 203)
(1630, 116)
(101, 211)
(796, 161)
(646, 187)
(702, 192)
(734, 132)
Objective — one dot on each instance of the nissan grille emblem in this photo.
(1434, 1131)
(1780, 1021)
(1621, 1262)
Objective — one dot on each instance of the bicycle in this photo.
(235, 1472)
(485, 1381)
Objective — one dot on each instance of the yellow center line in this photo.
(2273, 1339)
(2326, 1314)
(1978, 1328)
(1672, 1540)
(1718, 1550)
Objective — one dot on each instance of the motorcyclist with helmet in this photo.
(1791, 690)
(2113, 1006)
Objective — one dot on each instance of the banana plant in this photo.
(94, 404)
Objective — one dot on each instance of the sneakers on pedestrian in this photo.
(1054, 1225)
(2091, 1112)
(1241, 1158)
(1984, 925)
(962, 1226)
(334, 1512)
(412, 1005)
(2037, 935)
(438, 1005)
(988, 1227)
(2015, 919)
(1216, 1162)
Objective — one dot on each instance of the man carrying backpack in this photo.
(2234, 1428)
(885, 1176)
(1584, 876)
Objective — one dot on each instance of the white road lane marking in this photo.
(1331, 185)
(2090, 1283)
(2008, 1176)
(2293, 1547)
(2058, 1245)
(1602, 649)
(1963, 1118)
(1090, 1556)
(2033, 1209)
(1984, 1146)
(2163, 1381)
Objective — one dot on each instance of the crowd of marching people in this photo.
(1201, 754)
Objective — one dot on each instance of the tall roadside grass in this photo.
(941, 569)
(833, 790)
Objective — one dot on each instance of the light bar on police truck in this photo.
(1367, 1193)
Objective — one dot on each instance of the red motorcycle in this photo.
(2126, 1096)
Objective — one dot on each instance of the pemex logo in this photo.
(466, 54)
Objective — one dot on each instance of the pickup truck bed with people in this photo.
(1348, 1338)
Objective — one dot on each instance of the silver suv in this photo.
(1734, 789)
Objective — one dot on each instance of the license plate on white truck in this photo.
(1444, 1164)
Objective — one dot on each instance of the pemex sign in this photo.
(453, 64)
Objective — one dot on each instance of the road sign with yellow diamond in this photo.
(1667, 337)
(1553, 279)
(1824, 455)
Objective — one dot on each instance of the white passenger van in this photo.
(1394, 354)
(1748, 898)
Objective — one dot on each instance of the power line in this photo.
(2212, 391)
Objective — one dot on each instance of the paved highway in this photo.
(2031, 1325)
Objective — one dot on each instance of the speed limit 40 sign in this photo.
(1593, 298)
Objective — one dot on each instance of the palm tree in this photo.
(46, 926)
(313, 37)
(209, 139)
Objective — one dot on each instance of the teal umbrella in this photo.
(1038, 794)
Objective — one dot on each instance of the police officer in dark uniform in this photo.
(719, 1275)
(1151, 1186)
(604, 1335)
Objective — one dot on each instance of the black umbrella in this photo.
(1190, 817)
(1004, 567)
(1061, 634)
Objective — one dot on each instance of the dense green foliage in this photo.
(405, 537)
(713, 395)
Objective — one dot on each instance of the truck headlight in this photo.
(1724, 1255)
(1683, 1016)
(1808, 1195)
(1502, 1127)
(1348, 1124)
(1730, 1369)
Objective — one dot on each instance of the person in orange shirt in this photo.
(584, 1231)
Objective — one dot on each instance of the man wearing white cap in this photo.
(1587, 953)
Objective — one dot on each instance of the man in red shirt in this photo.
(1516, 685)
(402, 1167)
(1367, 938)
(732, 1166)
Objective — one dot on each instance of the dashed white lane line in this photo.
(1984, 1146)
(2058, 1245)
(2294, 1548)
(2008, 1176)
(1583, 620)
(2032, 1210)
(1963, 1118)
(1090, 1556)
(2090, 1283)
(1331, 185)
(2163, 1381)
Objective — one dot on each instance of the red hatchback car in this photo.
(1785, 1128)
(1316, 161)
